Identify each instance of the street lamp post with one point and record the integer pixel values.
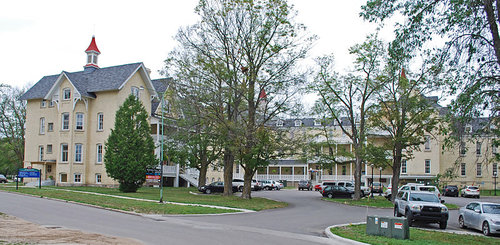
(161, 148)
(380, 180)
(371, 195)
(495, 176)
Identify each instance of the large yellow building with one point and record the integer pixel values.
(69, 116)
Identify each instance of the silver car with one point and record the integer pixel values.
(483, 216)
(3, 179)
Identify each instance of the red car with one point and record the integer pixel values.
(318, 187)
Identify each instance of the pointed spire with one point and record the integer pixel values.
(262, 95)
(93, 46)
(92, 53)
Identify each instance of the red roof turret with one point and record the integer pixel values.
(263, 94)
(93, 46)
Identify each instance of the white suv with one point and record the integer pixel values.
(421, 205)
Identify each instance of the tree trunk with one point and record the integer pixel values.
(247, 187)
(202, 178)
(228, 172)
(357, 179)
(396, 168)
(490, 14)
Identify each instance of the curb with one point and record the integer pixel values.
(341, 239)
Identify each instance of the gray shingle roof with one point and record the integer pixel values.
(161, 86)
(87, 82)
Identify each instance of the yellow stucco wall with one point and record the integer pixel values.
(105, 102)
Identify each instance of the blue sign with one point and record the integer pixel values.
(29, 173)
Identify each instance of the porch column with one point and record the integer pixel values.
(305, 172)
(176, 181)
(336, 177)
(350, 169)
(267, 173)
(280, 171)
(158, 138)
(293, 173)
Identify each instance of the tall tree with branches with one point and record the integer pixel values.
(241, 58)
(12, 120)
(351, 96)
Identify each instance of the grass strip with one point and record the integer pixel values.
(119, 203)
(375, 202)
(417, 237)
(184, 195)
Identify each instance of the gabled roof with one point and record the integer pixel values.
(87, 83)
(160, 85)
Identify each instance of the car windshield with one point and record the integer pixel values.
(491, 208)
(422, 197)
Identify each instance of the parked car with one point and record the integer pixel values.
(378, 187)
(333, 191)
(256, 185)
(406, 187)
(350, 185)
(430, 188)
(217, 186)
(480, 215)
(450, 190)
(470, 191)
(3, 179)
(269, 185)
(239, 183)
(305, 185)
(318, 187)
(279, 184)
(421, 205)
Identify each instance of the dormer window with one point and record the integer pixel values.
(66, 94)
(468, 128)
(317, 122)
(298, 123)
(279, 123)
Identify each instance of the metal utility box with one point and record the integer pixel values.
(393, 227)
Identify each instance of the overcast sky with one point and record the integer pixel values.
(41, 38)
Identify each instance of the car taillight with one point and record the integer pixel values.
(467, 190)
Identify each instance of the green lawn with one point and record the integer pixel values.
(417, 237)
(490, 192)
(180, 195)
(376, 202)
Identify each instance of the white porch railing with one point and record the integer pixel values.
(169, 169)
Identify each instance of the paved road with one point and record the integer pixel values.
(150, 230)
(303, 221)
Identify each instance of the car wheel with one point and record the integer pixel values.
(486, 228)
(240, 188)
(443, 224)
(300, 189)
(461, 222)
(330, 195)
(477, 197)
(462, 195)
(396, 212)
(208, 191)
(409, 217)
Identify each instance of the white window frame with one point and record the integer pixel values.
(427, 144)
(43, 104)
(478, 148)
(99, 153)
(404, 166)
(51, 103)
(317, 122)
(279, 123)
(49, 148)
(40, 153)
(78, 152)
(462, 149)
(65, 121)
(479, 169)
(75, 178)
(66, 91)
(98, 178)
(135, 91)
(42, 125)
(298, 123)
(463, 169)
(100, 121)
(63, 152)
(427, 166)
(80, 121)
(50, 127)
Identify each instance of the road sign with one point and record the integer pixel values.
(153, 176)
(28, 173)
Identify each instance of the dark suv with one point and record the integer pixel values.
(305, 185)
(450, 190)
